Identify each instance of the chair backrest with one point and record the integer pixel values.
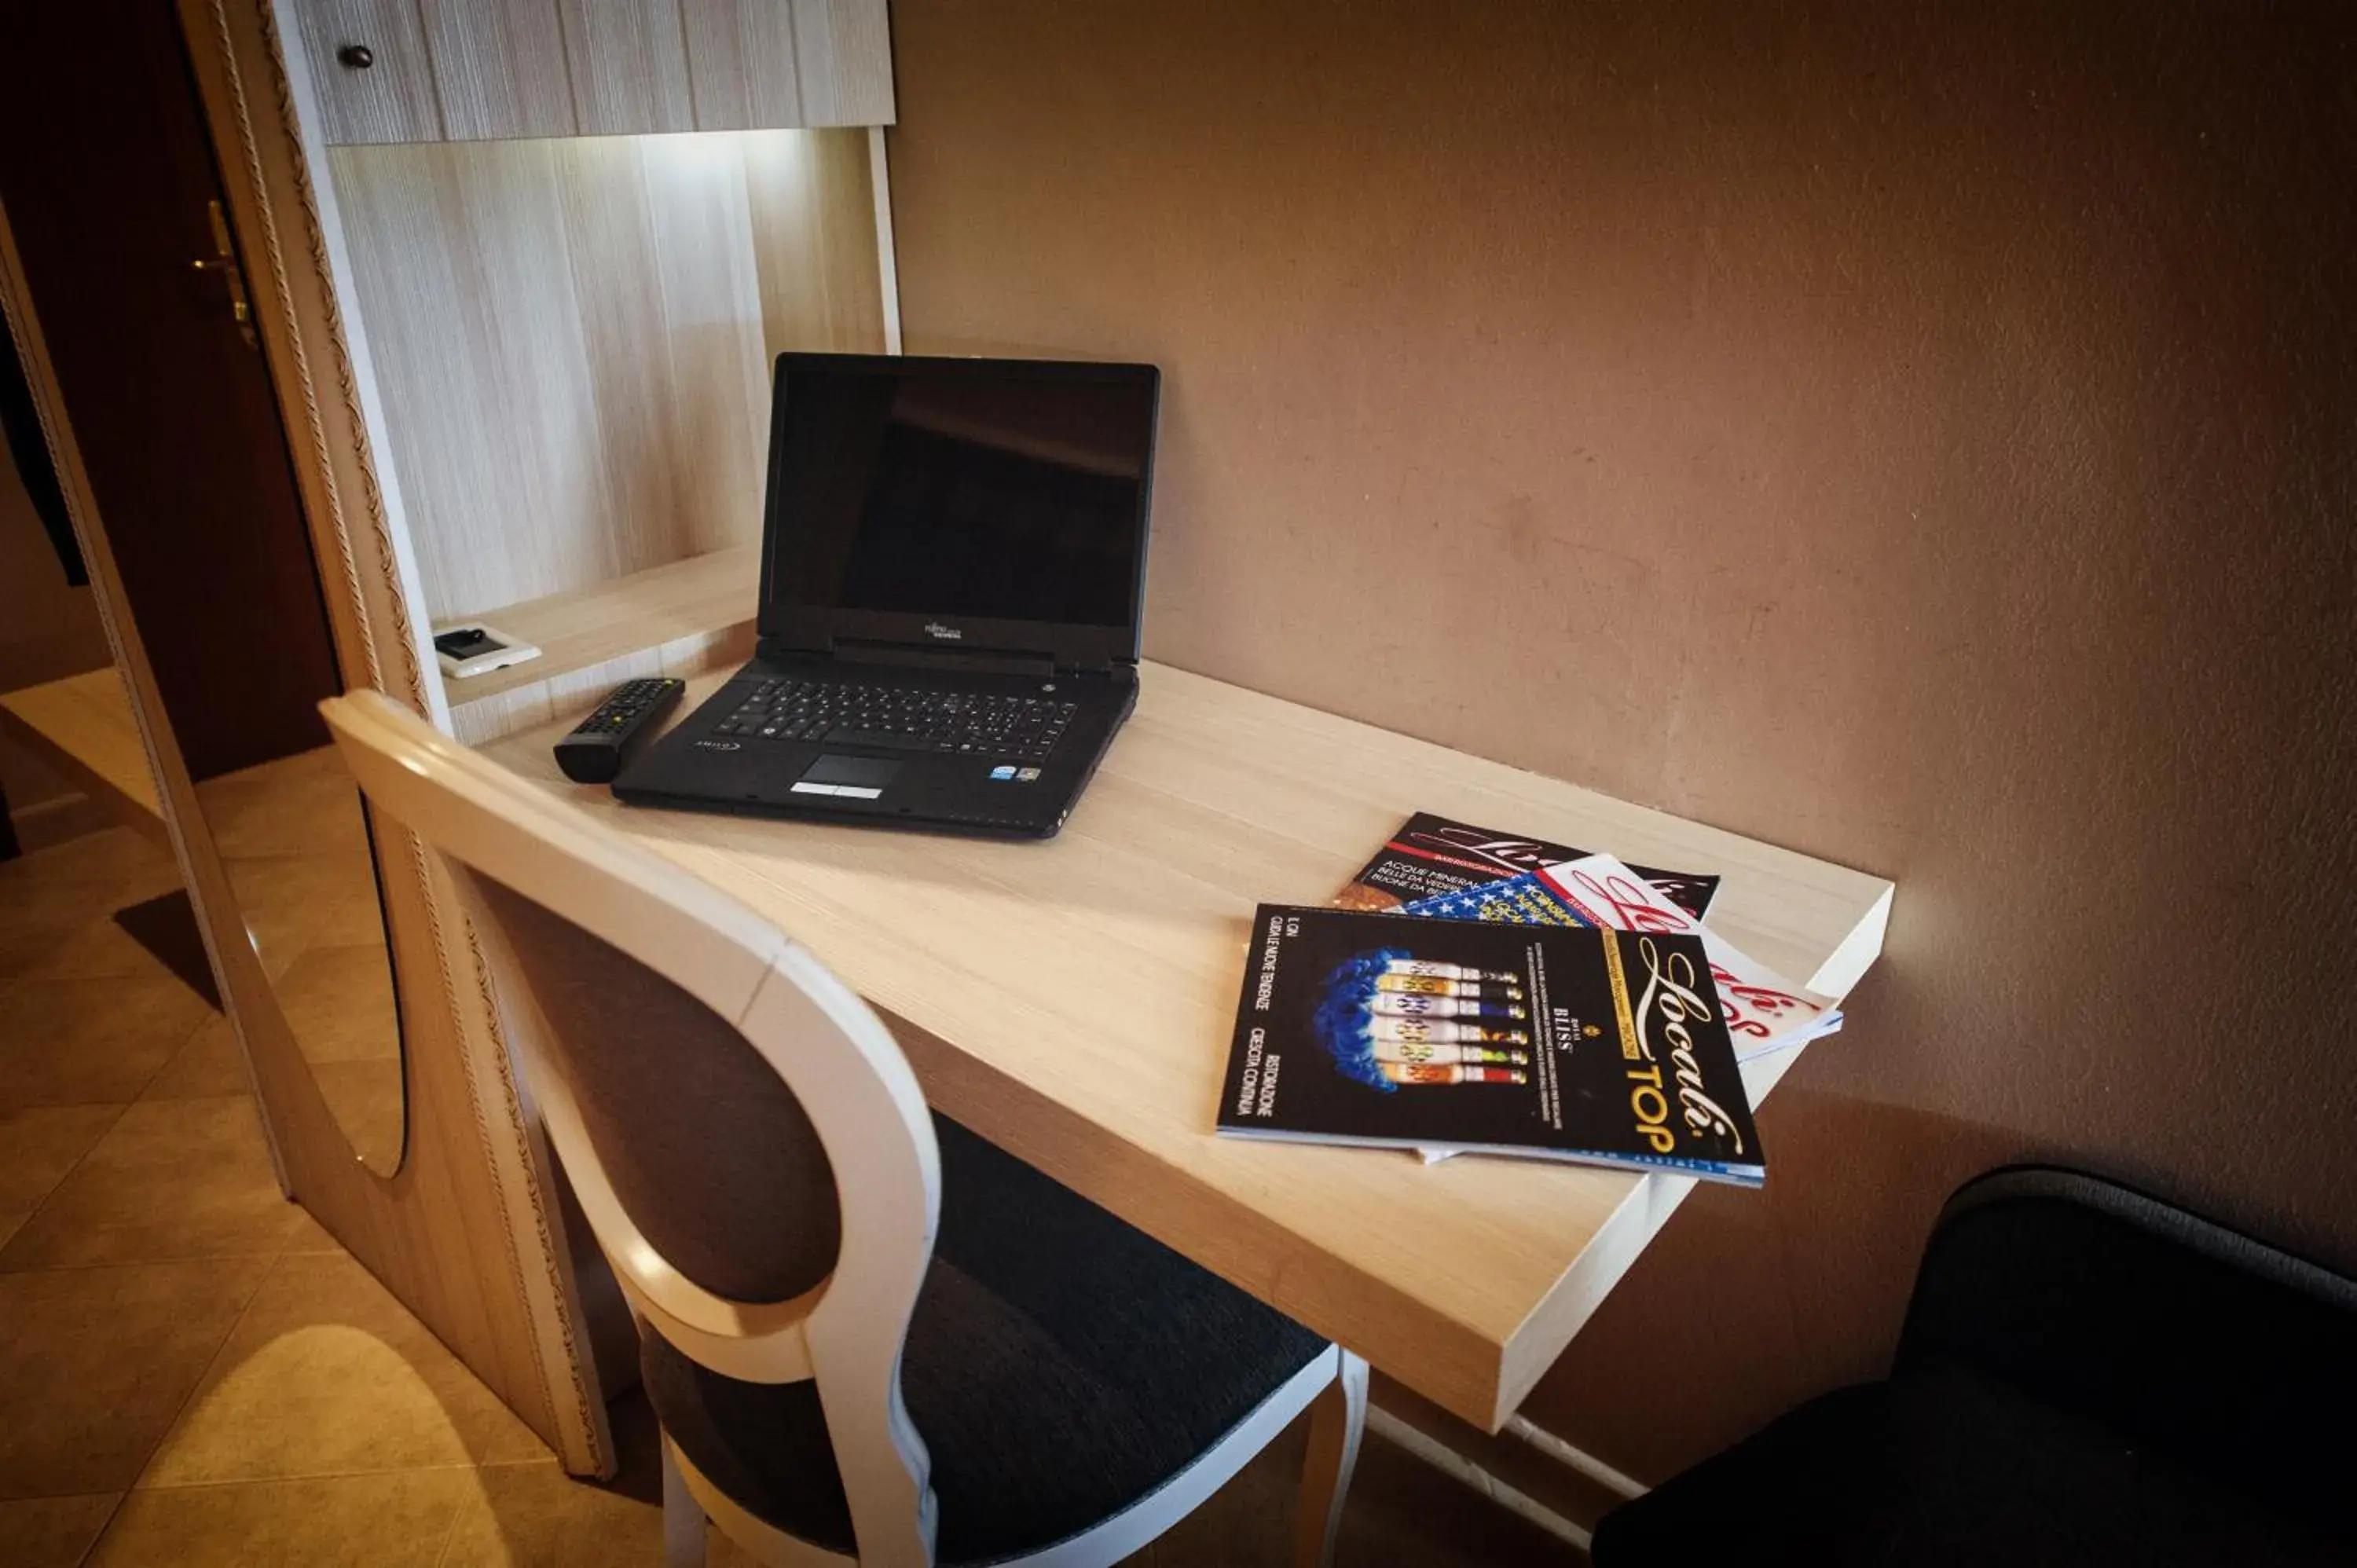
(744, 1135)
(2170, 1329)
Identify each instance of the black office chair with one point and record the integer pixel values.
(2086, 1375)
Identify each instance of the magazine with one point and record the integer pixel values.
(1531, 900)
(1763, 1011)
(1431, 855)
(1596, 1045)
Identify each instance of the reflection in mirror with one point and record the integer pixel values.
(294, 836)
(174, 413)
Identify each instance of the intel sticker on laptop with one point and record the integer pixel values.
(1007, 773)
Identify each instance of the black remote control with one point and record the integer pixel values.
(595, 751)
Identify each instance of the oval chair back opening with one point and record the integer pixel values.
(707, 1151)
(743, 1135)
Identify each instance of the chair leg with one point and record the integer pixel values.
(682, 1518)
(1337, 1421)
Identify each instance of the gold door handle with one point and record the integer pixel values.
(225, 262)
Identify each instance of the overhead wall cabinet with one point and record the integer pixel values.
(572, 308)
(470, 70)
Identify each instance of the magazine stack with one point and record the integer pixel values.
(1470, 992)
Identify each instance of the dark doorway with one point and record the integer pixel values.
(109, 184)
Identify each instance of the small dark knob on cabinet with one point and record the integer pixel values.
(356, 57)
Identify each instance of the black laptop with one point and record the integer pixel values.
(953, 563)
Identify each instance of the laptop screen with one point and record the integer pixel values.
(950, 493)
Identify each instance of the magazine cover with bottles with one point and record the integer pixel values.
(1601, 1046)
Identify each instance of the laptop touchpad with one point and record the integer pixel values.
(860, 778)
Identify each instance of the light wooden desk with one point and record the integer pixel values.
(1071, 1001)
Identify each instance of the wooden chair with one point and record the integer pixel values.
(867, 1334)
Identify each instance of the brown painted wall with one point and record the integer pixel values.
(1923, 435)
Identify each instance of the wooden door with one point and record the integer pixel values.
(107, 176)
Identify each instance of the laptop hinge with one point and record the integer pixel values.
(990, 660)
(930, 656)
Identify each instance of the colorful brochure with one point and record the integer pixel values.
(1601, 1046)
(1764, 1011)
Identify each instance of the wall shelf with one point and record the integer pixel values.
(677, 620)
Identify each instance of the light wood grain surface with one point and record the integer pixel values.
(679, 620)
(1072, 1002)
(391, 100)
(741, 55)
(573, 340)
(83, 727)
(844, 51)
(479, 69)
(630, 71)
(500, 67)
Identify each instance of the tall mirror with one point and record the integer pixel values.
(163, 381)
(293, 837)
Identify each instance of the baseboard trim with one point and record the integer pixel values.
(1442, 1458)
(1625, 1487)
(59, 819)
(1524, 1466)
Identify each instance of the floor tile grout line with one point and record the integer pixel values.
(308, 1477)
(449, 1532)
(202, 1024)
(549, 1459)
(204, 1376)
(80, 1160)
(107, 1524)
(154, 1263)
(20, 1108)
(139, 1095)
(122, 1109)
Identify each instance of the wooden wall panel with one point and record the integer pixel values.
(391, 100)
(484, 69)
(460, 249)
(812, 209)
(624, 323)
(572, 339)
(630, 66)
(844, 48)
(500, 67)
(741, 55)
(715, 424)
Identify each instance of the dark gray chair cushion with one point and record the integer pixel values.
(1061, 1366)
(1947, 1468)
(2087, 1376)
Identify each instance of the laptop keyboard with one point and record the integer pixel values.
(900, 718)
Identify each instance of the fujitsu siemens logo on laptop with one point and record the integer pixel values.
(946, 633)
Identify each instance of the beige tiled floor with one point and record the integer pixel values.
(193, 1372)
